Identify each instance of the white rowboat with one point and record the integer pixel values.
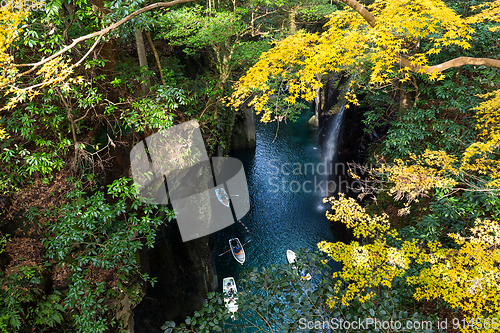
(230, 294)
(290, 255)
(237, 250)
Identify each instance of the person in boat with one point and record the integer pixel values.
(234, 244)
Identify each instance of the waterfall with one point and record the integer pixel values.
(331, 146)
(332, 137)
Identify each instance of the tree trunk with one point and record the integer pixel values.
(157, 57)
(317, 102)
(291, 17)
(404, 97)
(252, 22)
(69, 114)
(224, 55)
(143, 63)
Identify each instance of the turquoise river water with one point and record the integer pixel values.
(286, 181)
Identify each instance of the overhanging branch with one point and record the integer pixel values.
(365, 13)
(453, 63)
(98, 34)
(404, 62)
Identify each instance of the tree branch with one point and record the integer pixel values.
(99, 34)
(365, 13)
(404, 62)
(88, 52)
(453, 63)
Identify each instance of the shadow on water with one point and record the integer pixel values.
(286, 178)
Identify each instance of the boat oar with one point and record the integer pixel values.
(224, 252)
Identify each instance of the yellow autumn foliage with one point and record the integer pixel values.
(3, 134)
(467, 279)
(352, 41)
(489, 115)
(478, 169)
(413, 181)
(347, 211)
(11, 16)
(12, 13)
(55, 72)
(364, 266)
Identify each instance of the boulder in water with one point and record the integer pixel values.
(313, 121)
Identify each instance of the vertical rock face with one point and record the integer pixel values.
(244, 132)
(184, 271)
(335, 134)
(329, 102)
(184, 275)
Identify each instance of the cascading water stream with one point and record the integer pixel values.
(331, 147)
